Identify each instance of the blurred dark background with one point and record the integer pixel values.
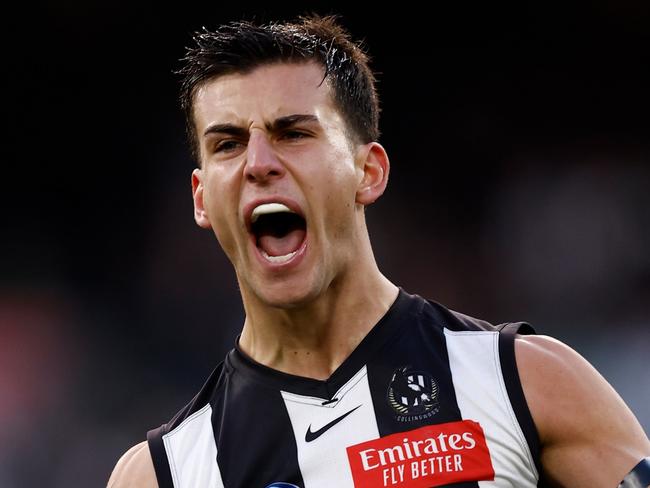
(520, 151)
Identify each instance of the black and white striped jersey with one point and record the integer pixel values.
(430, 397)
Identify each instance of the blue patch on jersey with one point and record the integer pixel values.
(281, 484)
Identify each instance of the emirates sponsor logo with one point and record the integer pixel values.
(433, 455)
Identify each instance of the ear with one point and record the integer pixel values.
(373, 167)
(200, 215)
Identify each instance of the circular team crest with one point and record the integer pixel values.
(412, 394)
(281, 484)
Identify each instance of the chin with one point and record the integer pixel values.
(287, 295)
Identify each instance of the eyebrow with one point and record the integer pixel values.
(278, 124)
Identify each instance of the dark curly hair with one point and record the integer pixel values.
(240, 47)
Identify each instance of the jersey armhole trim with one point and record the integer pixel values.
(159, 457)
(507, 334)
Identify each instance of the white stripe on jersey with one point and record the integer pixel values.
(323, 461)
(192, 452)
(482, 397)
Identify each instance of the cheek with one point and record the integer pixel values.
(341, 174)
(223, 231)
(222, 213)
(343, 184)
(339, 193)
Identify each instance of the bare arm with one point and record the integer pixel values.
(134, 469)
(589, 437)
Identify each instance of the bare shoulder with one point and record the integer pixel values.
(134, 469)
(589, 436)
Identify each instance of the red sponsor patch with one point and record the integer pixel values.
(433, 455)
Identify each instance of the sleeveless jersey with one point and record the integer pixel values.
(430, 397)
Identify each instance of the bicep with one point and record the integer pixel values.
(134, 469)
(588, 434)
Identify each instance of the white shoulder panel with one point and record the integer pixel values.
(192, 452)
(481, 395)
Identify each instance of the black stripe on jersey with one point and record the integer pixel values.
(159, 457)
(404, 349)
(511, 378)
(255, 441)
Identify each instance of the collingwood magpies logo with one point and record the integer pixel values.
(412, 394)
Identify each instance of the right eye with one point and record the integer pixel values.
(227, 146)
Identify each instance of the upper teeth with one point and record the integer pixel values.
(267, 208)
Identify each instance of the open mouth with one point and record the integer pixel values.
(279, 232)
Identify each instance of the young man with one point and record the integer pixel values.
(340, 378)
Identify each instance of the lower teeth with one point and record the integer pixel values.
(279, 259)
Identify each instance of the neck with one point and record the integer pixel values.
(314, 339)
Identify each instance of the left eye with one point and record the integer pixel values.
(294, 135)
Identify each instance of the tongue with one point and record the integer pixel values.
(281, 246)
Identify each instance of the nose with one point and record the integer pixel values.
(262, 164)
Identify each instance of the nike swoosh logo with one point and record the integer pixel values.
(311, 436)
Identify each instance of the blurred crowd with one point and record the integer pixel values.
(519, 191)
